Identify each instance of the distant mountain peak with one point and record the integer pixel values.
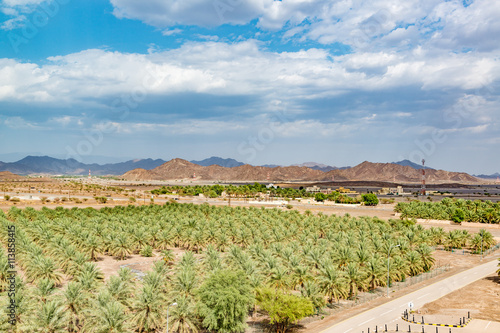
(223, 162)
(411, 164)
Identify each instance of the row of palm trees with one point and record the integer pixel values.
(451, 209)
(323, 258)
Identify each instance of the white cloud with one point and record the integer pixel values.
(171, 32)
(243, 68)
(14, 23)
(19, 123)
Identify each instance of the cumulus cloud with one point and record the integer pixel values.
(242, 68)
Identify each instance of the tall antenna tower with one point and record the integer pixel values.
(90, 175)
(422, 189)
(268, 176)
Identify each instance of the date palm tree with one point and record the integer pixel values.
(50, 318)
(279, 277)
(44, 289)
(185, 281)
(311, 291)
(356, 279)
(119, 290)
(121, 246)
(183, 317)
(92, 247)
(426, 257)
(300, 275)
(148, 309)
(415, 264)
(109, 317)
(332, 283)
(375, 272)
(44, 268)
(89, 276)
(74, 299)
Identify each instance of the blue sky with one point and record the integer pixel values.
(261, 81)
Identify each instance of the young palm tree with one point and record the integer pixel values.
(300, 275)
(119, 290)
(110, 317)
(50, 318)
(45, 288)
(89, 276)
(168, 256)
(148, 309)
(74, 299)
(185, 281)
(92, 247)
(121, 246)
(183, 317)
(279, 278)
(4, 271)
(43, 267)
(24, 309)
(77, 263)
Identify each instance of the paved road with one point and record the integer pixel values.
(390, 313)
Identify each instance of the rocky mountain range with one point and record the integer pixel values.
(216, 168)
(54, 166)
(182, 169)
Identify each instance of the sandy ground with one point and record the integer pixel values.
(481, 298)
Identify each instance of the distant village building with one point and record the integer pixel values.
(313, 189)
(345, 190)
(392, 191)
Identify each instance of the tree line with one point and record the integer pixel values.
(456, 210)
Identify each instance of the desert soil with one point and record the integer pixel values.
(481, 298)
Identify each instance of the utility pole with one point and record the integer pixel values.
(422, 189)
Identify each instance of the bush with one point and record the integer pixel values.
(289, 206)
(224, 301)
(387, 201)
(102, 200)
(6, 197)
(320, 197)
(283, 309)
(369, 199)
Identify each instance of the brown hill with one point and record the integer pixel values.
(366, 171)
(397, 173)
(7, 175)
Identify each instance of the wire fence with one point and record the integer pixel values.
(491, 249)
(361, 298)
(464, 251)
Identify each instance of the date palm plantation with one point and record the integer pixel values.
(314, 259)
